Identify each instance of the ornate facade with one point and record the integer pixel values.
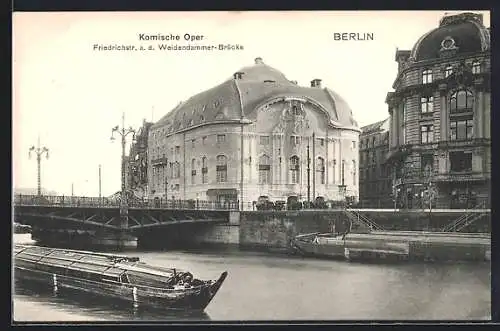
(137, 174)
(249, 137)
(375, 181)
(440, 139)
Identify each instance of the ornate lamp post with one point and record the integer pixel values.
(123, 194)
(39, 151)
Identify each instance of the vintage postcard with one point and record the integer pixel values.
(251, 166)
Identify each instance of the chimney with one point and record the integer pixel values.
(258, 60)
(316, 82)
(238, 75)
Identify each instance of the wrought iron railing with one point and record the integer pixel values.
(72, 201)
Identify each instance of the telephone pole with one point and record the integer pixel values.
(39, 151)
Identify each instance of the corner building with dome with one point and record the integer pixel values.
(248, 138)
(439, 131)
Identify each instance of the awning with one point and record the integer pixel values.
(221, 191)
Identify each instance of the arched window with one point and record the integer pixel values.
(193, 171)
(221, 169)
(354, 181)
(461, 100)
(294, 169)
(204, 170)
(476, 67)
(264, 170)
(320, 169)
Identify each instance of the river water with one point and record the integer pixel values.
(262, 286)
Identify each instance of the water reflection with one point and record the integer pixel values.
(96, 306)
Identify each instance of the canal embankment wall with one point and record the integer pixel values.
(273, 230)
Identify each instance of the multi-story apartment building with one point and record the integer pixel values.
(439, 137)
(375, 181)
(249, 137)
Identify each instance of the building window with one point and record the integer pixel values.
(462, 100)
(403, 125)
(193, 143)
(177, 170)
(427, 104)
(193, 171)
(294, 140)
(294, 169)
(204, 170)
(177, 150)
(353, 145)
(461, 130)
(204, 140)
(427, 164)
(321, 141)
(426, 132)
(427, 76)
(476, 67)
(221, 169)
(221, 138)
(296, 110)
(264, 170)
(264, 140)
(448, 71)
(354, 181)
(320, 169)
(177, 187)
(461, 161)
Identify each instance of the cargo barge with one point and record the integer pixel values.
(395, 245)
(114, 276)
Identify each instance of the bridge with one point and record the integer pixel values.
(90, 214)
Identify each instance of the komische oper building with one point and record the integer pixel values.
(439, 131)
(249, 137)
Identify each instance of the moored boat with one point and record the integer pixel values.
(115, 276)
(394, 245)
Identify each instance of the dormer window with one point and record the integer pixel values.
(427, 76)
(476, 67)
(202, 118)
(448, 71)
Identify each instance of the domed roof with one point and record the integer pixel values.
(463, 33)
(238, 97)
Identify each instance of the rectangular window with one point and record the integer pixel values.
(221, 173)
(193, 177)
(264, 140)
(427, 104)
(476, 67)
(353, 145)
(264, 174)
(426, 132)
(294, 140)
(448, 71)
(426, 164)
(193, 143)
(427, 76)
(204, 140)
(221, 138)
(177, 150)
(461, 130)
(321, 141)
(177, 187)
(461, 161)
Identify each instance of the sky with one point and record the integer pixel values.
(71, 95)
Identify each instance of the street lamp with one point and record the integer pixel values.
(123, 195)
(39, 151)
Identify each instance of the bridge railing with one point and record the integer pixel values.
(73, 201)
